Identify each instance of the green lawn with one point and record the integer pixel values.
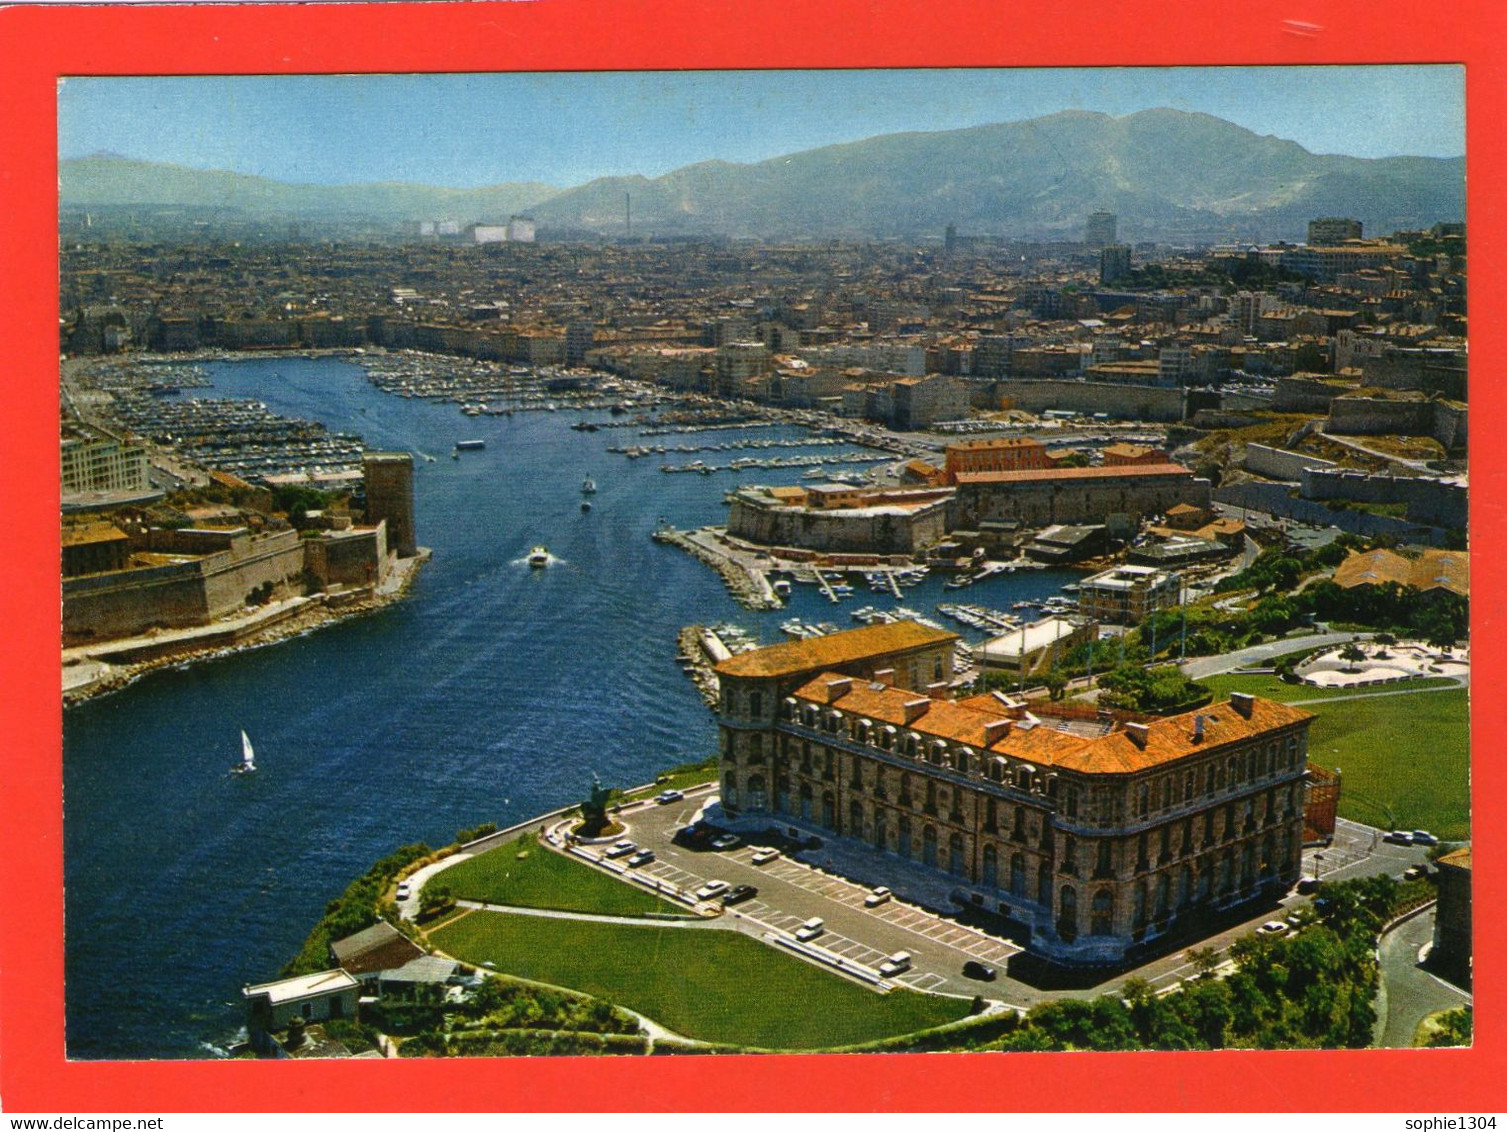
(1406, 759)
(681, 778)
(545, 879)
(718, 986)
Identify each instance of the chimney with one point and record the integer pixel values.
(1243, 702)
(915, 709)
(838, 688)
(995, 730)
(1198, 728)
(941, 690)
(885, 676)
(1138, 733)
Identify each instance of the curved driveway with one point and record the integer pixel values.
(1409, 994)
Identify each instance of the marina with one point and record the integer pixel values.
(450, 708)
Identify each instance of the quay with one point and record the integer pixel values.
(745, 579)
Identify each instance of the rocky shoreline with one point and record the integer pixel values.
(330, 610)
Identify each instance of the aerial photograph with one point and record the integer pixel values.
(716, 562)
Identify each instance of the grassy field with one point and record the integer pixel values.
(545, 879)
(718, 986)
(1406, 759)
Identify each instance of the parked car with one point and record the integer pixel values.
(1309, 884)
(1424, 837)
(810, 929)
(727, 841)
(739, 893)
(665, 797)
(1272, 927)
(984, 973)
(404, 891)
(620, 849)
(763, 854)
(642, 857)
(712, 889)
(895, 964)
(1417, 872)
(876, 897)
(1399, 837)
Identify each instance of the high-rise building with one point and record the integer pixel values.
(1114, 263)
(389, 495)
(1330, 230)
(1100, 229)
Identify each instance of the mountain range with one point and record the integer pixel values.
(1167, 174)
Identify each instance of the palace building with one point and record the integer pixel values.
(1091, 833)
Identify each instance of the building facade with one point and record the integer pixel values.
(998, 454)
(1092, 836)
(1075, 495)
(1127, 595)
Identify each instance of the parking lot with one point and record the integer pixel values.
(791, 892)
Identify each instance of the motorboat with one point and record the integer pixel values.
(538, 557)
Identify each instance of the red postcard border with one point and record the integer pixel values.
(46, 43)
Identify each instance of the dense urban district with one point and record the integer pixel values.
(1214, 794)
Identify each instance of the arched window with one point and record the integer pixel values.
(829, 810)
(957, 865)
(806, 801)
(730, 789)
(929, 846)
(755, 704)
(756, 799)
(1044, 884)
(1103, 915)
(1163, 895)
(880, 833)
(1018, 874)
(991, 866)
(1138, 907)
(902, 837)
(1067, 917)
(855, 818)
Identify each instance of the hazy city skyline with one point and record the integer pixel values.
(567, 129)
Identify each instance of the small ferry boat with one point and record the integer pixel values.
(469, 445)
(585, 505)
(538, 557)
(588, 487)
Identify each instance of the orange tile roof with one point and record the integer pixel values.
(1460, 858)
(1434, 569)
(1048, 475)
(816, 653)
(964, 721)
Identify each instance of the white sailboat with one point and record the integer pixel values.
(248, 758)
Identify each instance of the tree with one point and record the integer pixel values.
(1353, 655)
(1203, 960)
(1056, 682)
(435, 899)
(1454, 1028)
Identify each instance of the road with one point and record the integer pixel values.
(1409, 994)
(1198, 667)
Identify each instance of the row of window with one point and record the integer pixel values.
(894, 833)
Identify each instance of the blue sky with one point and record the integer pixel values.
(565, 129)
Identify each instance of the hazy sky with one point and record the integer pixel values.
(564, 129)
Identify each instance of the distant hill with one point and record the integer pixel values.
(102, 180)
(1168, 174)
